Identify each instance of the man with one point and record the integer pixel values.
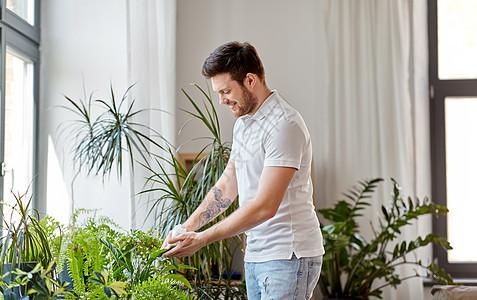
(269, 169)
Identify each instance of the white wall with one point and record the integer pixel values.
(287, 36)
(83, 43)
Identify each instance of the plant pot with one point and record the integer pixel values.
(26, 267)
(65, 275)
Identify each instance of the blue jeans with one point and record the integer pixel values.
(286, 279)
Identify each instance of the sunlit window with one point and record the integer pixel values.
(19, 53)
(19, 130)
(453, 103)
(25, 9)
(461, 161)
(457, 38)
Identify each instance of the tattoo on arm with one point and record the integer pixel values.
(215, 207)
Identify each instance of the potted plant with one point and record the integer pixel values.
(100, 143)
(182, 189)
(44, 283)
(105, 262)
(82, 253)
(136, 260)
(103, 140)
(352, 265)
(25, 243)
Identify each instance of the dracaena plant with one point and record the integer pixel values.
(102, 140)
(352, 265)
(182, 189)
(25, 239)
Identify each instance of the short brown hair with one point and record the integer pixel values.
(237, 59)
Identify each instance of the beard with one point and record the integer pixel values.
(247, 104)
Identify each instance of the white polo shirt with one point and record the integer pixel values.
(276, 135)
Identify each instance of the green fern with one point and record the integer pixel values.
(84, 251)
(75, 268)
(133, 258)
(160, 288)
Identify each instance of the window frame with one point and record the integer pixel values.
(17, 23)
(439, 89)
(24, 39)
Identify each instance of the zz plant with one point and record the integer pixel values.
(352, 265)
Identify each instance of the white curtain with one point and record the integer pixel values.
(151, 66)
(375, 108)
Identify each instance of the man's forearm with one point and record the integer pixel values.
(214, 204)
(238, 222)
(269, 197)
(270, 194)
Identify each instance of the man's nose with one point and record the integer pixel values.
(223, 100)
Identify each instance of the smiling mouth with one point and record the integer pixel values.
(232, 106)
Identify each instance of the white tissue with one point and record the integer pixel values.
(177, 230)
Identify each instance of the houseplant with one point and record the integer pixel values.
(44, 283)
(25, 243)
(181, 192)
(104, 261)
(103, 139)
(98, 148)
(352, 265)
(82, 252)
(137, 262)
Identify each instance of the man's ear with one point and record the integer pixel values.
(250, 80)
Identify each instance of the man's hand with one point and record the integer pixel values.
(166, 244)
(188, 244)
(177, 230)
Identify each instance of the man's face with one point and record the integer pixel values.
(237, 97)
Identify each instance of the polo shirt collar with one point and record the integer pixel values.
(263, 110)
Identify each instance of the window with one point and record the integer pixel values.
(25, 9)
(453, 91)
(19, 36)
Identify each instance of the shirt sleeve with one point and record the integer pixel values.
(233, 152)
(284, 145)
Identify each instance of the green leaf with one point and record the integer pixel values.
(185, 267)
(118, 288)
(348, 257)
(107, 291)
(95, 280)
(385, 213)
(179, 279)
